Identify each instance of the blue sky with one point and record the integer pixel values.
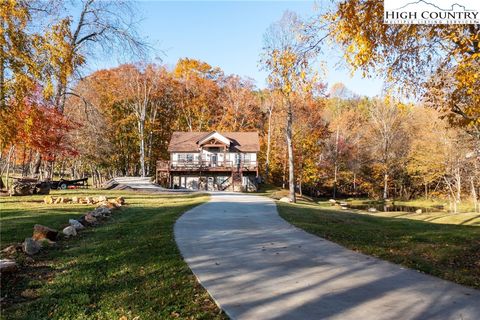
(228, 34)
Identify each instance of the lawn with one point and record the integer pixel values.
(465, 216)
(127, 268)
(451, 252)
(461, 218)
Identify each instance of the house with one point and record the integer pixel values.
(211, 161)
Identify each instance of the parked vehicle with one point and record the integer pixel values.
(69, 184)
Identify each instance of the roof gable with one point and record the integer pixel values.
(239, 141)
(216, 136)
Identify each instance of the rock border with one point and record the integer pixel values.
(44, 237)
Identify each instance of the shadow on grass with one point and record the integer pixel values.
(448, 251)
(129, 266)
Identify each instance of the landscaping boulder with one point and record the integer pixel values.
(69, 231)
(77, 225)
(332, 201)
(114, 203)
(7, 265)
(372, 210)
(285, 199)
(104, 210)
(89, 200)
(418, 211)
(41, 232)
(106, 204)
(75, 200)
(101, 198)
(90, 218)
(62, 200)
(84, 222)
(120, 200)
(31, 246)
(101, 213)
(98, 215)
(48, 200)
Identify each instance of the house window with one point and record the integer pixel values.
(189, 157)
(246, 158)
(182, 157)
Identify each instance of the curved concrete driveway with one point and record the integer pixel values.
(257, 266)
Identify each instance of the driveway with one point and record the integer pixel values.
(257, 266)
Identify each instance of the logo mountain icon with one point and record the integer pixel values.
(422, 3)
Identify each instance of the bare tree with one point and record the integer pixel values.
(101, 27)
(142, 84)
(386, 130)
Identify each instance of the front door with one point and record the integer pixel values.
(210, 184)
(214, 160)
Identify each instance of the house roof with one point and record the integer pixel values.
(215, 136)
(239, 141)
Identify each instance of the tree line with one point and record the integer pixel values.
(320, 142)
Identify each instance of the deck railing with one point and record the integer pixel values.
(205, 165)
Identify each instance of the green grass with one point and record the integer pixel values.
(19, 214)
(443, 217)
(465, 216)
(451, 252)
(127, 268)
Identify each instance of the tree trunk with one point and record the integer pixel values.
(37, 164)
(149, 151)
(354, 183)
(269, 135)
(474, 194)
(300, 179)
(141, 127)
(451, 196)
(385, 186)
(291, 171)
(7, 176)
(459, 185)
(335, 169)
(6, 168)
(3, 102)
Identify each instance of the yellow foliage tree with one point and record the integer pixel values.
(439, 62)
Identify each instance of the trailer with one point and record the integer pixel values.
(69, 184)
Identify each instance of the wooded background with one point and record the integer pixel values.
(421, 138)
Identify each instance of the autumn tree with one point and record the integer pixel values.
(139, 89)
(100, 27)
(426, 158)
(309, 130)
(239, 104)
(346, 117)
(288, 64)
(199, 94)
(437, 62)
(269, 99)
(386, 135)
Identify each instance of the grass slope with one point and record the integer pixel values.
(128, 268)
(450, 252)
